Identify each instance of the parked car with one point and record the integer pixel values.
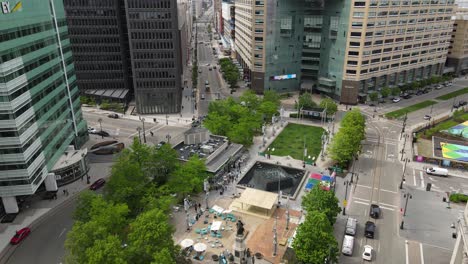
(113, 115)
(427, 117)
(396, 99)
(97, 184)
(160, 144)
(92, 130)
(419, 92)
(369, 230)
(367, 254)
(406, 95)
(374, 211)
(20, 235)
(351, 225)
(460, 104)
(438, 87)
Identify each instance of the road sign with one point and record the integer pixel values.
(337, 169)
(345, 202)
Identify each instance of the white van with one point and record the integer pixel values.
(351, 225)
(437, 171)
(348, 244)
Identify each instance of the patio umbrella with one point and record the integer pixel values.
(186, 243)
(199, 247)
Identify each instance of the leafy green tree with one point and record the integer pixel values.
(305, 100)
(83, 206)
(106, 218)
(323, 201)
(127, 183)
(373, 96)
(218, 124)
(385, 92)
(268, 109)
(347, 141)
(163, 162)
(314, 242)
(415, 85)
(250, 99)
(330, 105)
(189, 177)
(272, 96)
(84, 99)
(166, 257)
(241, 133)
(107, 250)
(396, 91)
(149, 236)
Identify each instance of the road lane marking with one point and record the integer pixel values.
(422, 255)
(422, 179)
(406, 251)
(365, 200)
(391, 205)
(414, 177)
(359, 202)
(63, 231)
(432, 179)
(383, 190)
(386, 208)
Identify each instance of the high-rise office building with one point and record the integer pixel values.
(132, 47)
(269, 43)
(40, 113)
(383, 43)
(457, 58)
(228, 28)
(155, 51)
(98, 37)
(348, 48)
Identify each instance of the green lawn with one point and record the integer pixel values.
(411, 108)
(453, 94)
(458, 118)
(291, 141)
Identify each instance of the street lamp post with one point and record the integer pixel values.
(403, 175)
(407, 196)
(404, 145)
(144, 132)
(168, 137)
(167, 119)
(346, 183)
(139, 134)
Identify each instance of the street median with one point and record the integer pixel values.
(401, 112)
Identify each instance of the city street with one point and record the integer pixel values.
(207, 60)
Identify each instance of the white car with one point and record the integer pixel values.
(438, 87)
(396, 99)
(427, 117)
(92, 130)
(367, 254)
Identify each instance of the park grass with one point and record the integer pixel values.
(453, 94)
(411, 108)
(290, 142)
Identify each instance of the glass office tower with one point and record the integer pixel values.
(40, 112)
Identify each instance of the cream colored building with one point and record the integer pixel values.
(394, 42)
(457, 57)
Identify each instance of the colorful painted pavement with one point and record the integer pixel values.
(459, 130)
(315, 178)
(454, 151)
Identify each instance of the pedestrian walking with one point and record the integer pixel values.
(253, 260)
(64, 192)
(196, 208)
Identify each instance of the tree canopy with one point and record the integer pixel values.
(240, 120)
(322, 201)
(314, 242)
(330, 106)
(373, 96)
(129, 223)
(347, 141)
(305, 101)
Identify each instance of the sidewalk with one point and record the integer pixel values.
(39, 210)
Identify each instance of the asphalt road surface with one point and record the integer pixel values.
(45, 245)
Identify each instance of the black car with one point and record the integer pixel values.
(102, 133)
(113, 115)
(419, 92)
(374, 211)
(370, 229)
(406, 96)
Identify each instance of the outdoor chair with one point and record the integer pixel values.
(197, 231)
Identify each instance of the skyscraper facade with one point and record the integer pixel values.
(347, 49)
(98, 36)
(155, 51)
(40, 113)
(132, 49)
